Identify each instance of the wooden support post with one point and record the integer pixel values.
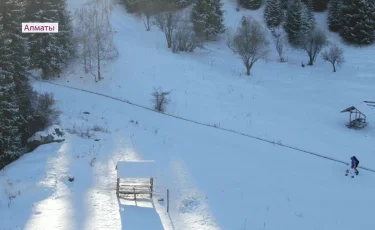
(135, 196)
(152, 186)
(118, 187)
(167, 200)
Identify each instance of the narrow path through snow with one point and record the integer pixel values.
(209, 125)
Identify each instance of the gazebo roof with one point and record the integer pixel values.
(366, 108)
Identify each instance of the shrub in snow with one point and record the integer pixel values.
(334, 54)
(44, 112)
(167, 22)
(279, 43)
(184, 38)
(98, 128)
(249, 42)
(160, 99)
(83, 132)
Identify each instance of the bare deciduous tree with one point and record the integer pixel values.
(147, 8)
(103, 47)
(184, 38)
(167, 22)
(334, 55)
(279, 43)
(97, 41)
(160, 99)
(82, 31)
(249, 42)
(313, 44)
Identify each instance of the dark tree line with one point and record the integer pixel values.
(353, 19)
(23, 111)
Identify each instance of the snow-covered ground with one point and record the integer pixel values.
(280, 101)
(217, 180)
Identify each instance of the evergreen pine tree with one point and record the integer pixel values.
(65, 41)
(294, 21)
(371, 14)
(284, 4)
(273, 13)
(356, 26)
(334, 15)
(251, 4)
(320, 5)
(207, 18)
(11, 17)
(49, 51)
(10, 137)
(182, 3)
(308, 18)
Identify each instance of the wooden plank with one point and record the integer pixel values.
(167, 200)
(137, 190)
(131, 186)
(131, 193)
(117, 186)
(135, 185)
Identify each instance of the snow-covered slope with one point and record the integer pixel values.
(217, 180)
(282, 102)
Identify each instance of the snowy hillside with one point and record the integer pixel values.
(217, 179)
(282, 102)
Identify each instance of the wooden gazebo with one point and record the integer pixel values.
(357, 117)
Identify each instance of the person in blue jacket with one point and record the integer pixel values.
(355, 163)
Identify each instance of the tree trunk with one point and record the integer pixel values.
(334, 67)
(99, 76)
(248, 67)
(311, 60)
(85, 58)
(168, 40)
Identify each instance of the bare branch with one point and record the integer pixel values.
(184, 38)
(95, 36)
(160, 99)
(167, 22)
(249, 42)
(334, 55)
(313, 44)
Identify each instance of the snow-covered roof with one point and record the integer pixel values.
(136, 169)
(367, 109)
